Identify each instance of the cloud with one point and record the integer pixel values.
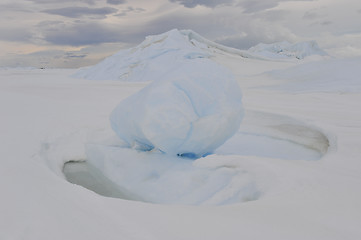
(325, 23)
(55, 58)
(13, 7)
(206, 3)
(76, 12)
(226, 26)
(249, 6)
(310, 15)
(90, 2)
(48, 58)
(75, 55)
(116, 2)
(15, 34)
(243, 42)
(125, 12)
(253, 6)
(82, 33)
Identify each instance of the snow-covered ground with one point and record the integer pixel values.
(292, 171)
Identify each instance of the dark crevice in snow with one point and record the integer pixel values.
(84, 174)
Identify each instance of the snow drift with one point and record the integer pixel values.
(189, 112)
(288, 50)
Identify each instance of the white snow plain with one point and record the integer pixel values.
(292, 171)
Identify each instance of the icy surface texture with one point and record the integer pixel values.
(190, 111)
(173, 48)
(287, 50)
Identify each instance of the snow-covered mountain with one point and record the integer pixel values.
(285, 49)
(158, 55)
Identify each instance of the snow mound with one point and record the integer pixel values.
(288, 50)
(189, 111)
(169, 49)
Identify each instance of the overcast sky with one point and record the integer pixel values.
(73, 33)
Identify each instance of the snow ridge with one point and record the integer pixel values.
(282, 50)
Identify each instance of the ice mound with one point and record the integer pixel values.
(168, 49)
(288, 50)
(189, 112)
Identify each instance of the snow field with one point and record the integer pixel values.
(48, 119)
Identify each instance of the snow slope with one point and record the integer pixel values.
(288, 190)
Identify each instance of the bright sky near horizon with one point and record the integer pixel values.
(74, 33)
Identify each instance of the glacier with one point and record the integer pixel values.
(190, 111)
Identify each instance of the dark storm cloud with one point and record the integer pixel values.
(125, 12)
(116, 2)
(80, 34)
(207, 3)
(76, 12)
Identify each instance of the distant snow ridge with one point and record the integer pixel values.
(288, 50)
(189, 112)
(156, 55)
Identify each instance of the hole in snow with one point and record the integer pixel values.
(154, 178)
(276, 136)
(233, 174)
(84, 174)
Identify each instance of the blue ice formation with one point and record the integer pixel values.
(189, 111)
